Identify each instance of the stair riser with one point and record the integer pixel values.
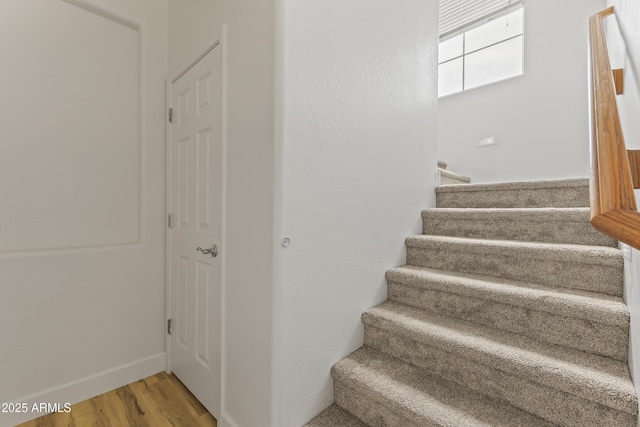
(371, 408)
(335, 416)
(561, 197)
(520, 229)
(605, 279)
(558, 407)
(605, 340)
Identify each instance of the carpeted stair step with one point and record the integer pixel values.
(452, 178)
(563, 386)
(508, 313)
(335, 416)
(588, 268)
(551, 225)
(563, 193)
(594, 323)
(384, 391)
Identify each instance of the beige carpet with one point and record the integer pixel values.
(508, 313)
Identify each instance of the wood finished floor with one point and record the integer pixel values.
(157, 401)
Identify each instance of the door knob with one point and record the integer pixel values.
(213, 251)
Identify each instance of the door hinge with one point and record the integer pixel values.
(170, 115)
(169, 326)
(170, 220)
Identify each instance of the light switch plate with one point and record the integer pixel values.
(485, 142)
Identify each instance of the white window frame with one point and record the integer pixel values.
(461, 27)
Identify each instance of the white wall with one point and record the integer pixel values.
(82, 143)
(541, 117)
(249, 140)
(358, 165)
(353, 111)
(632, 298)
(623, 40)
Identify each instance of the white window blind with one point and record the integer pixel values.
(458, 15)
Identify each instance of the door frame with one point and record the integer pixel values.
(217, 44)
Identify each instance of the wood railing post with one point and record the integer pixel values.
(618, 80)
(634, 165)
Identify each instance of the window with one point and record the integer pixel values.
(480, 43)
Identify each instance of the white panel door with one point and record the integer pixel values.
(196, 205)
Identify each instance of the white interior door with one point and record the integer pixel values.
(196, 207)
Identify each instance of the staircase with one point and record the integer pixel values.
(509, 312)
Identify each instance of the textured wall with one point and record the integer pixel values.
(540, 117)
(358, 164)
(623, 38)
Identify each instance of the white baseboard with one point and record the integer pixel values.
(226, 420)
(86, 388)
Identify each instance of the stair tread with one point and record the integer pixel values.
(585, 267)
(583, 254)
(335, 416)
(550, 193)
(426, 399)
(519, 185)
(552, 225)
(602, 308)
(592, 377)
(540, 214)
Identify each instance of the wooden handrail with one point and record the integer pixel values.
(613, 204)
